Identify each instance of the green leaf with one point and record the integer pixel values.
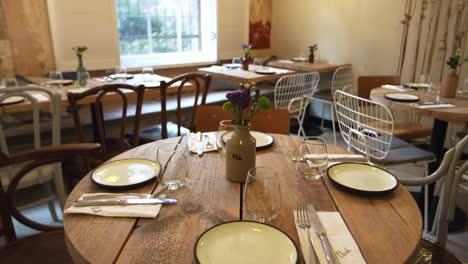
(264, 103)
(227, 106)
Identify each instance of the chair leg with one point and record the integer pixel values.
(333, 123)
(426, 208)
(300, 119)
(48, 189)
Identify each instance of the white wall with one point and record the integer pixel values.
(233, 27)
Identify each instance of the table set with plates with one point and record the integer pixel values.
(212, 220)
(256, 73)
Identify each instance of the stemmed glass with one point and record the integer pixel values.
(57, 79)
(313, 160)
(262, 194)
(224, 127)
(174, 168)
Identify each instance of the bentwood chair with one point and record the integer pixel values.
(46, 247)
(187, 91)
(130, 98)
(342, 77)
(294, 93)
(272, 121)
(406, 130)
(45, 131)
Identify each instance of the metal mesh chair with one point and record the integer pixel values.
(294, 93)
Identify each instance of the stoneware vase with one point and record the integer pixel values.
(451, 84)
(311, 57)
(245, 63)
(240, 154)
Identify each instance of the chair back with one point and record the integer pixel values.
(29, 161)
(294, 92)
(367, 83)
(272, 121)
(200, 85)
(365, 125)
(98, 93)
(343, 76)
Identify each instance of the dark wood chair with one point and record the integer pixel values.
(406, 130)
(178, 94)
(110, 146)
(274, 120)
(46, 247)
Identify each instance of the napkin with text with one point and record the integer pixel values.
(346, 249)
(192, 141)
(135, 210)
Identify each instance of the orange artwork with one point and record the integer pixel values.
(260, 24)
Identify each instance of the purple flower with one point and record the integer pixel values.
(244, 46)
(257, 91)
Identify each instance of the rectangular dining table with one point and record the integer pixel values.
(241, 76)
(387, 228)
(305, 66)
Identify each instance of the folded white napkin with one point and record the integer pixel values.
(434, 106)
(222, 68)
(136, 210)
(395, 87)
(192, 141)
(339, 236)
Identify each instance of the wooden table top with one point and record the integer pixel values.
(241, 76)
(43, 101)
(304, 66)
(387, 228)
(458, 113)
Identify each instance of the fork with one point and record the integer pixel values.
(303, 221)
(106, 196)
(208, 145)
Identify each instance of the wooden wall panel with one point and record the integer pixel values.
(28, 28)
(6, 64)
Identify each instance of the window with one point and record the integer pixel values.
(164, 32)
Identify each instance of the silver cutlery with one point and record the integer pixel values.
(208, 145)
(303, 222)
(116, 195)
(199, 144)
(81, 203)
(320, 230)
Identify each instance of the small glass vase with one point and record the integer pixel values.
(240, 154)
(81, 74)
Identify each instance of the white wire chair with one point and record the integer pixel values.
(294, 93)
(342, 77)
(46, 175)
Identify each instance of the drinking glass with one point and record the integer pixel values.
(55, 75)
(262, 194)
(9, 81)
(434, 91)
(224, 127)
(174, 167)
(120, 72)
(314, 159)
(236, 60)
(147, 74)
(464, 87)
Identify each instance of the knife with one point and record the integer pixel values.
(199, 144)
(320, 230)
(81, 203)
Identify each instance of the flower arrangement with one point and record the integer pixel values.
(246, 49)
(245, 103)
(313, 48)
(79, 50)
(454, 61)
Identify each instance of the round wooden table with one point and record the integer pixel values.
(387, 228)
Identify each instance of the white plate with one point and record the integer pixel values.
(12, 100)
(262, 139)
(78, 90)
(232, 65)
(403, 97)
(125, 173)
(245, 242)
(362, 177)
(417, 85)
(121, 76)
(265, 71)
(58, 82)
(299, 59)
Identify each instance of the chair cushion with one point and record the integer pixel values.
(405, 155)
(36, 176)
(407, 130)
(324, 95)
(46, 247)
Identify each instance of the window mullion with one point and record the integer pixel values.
(178, 16)
(149, 32)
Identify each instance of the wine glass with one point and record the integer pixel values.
(57, 79)
(262, 194)
(174, 167)
(236, 60)
(313, 160)
(147, 73)
(225, 126)
(120, 72)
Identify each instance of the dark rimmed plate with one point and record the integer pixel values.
(265, 71)
(262, 140)
(125, 173)
(402, 97)
(362, 178)
(12, 100)
(245, 242)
